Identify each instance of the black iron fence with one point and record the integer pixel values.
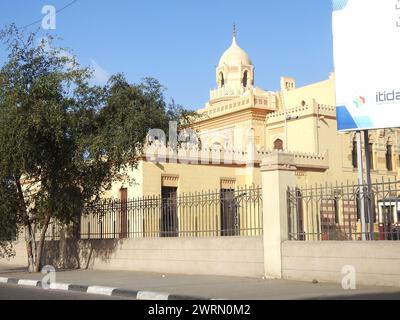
(345, 212)
(54, 231)
(205, 214)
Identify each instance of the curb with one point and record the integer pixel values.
(100, 290)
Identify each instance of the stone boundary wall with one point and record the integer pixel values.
(224, 256)
(376, 263)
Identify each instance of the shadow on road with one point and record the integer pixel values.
(366, 296)
(4, 270)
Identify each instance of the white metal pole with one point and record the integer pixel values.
(361, 185)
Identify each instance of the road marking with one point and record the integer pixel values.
(107, 291)
(59, 286)
(125, 293)
(77, 287)
(147, 295)
(30, 283)
(3, 280)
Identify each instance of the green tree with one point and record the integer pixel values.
(8, 223)
(62, 141)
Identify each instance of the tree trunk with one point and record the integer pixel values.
(29, 232)
(40, 247)
(30, 248)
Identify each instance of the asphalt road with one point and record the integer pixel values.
(14, 292)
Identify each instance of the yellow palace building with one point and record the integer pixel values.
(214, 188)
(241, 123)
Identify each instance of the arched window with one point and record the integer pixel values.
(278, 144)
(221, 80)
(245, 78)
(389, 157)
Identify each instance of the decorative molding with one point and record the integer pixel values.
(304, 160)
(278, 160)
(170, 180)
(228, 183)
(303, 111)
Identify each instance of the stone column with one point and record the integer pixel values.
(278, 173)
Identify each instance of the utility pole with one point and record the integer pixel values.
(369, 183)
(361, 185)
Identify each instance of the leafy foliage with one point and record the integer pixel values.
(62, 140)
(8, 223)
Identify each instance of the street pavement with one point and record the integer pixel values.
(214, 287)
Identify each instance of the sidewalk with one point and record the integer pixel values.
(213, 287)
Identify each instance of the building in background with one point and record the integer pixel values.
(242, 122)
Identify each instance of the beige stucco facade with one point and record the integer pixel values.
(241, 123)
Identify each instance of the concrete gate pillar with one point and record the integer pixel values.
(278, 173)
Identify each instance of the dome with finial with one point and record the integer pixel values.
(234, 74)
(235, 55)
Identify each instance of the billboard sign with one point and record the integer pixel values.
(366, 40)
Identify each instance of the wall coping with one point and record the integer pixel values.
(278, 160)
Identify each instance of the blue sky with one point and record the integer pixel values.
(180, 42)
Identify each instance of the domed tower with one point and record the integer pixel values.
(234, 73)
(236, 109)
